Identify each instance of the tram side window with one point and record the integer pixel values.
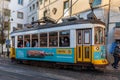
(20, 41)
(13, 41)
(53, 39)
(34, 40)
(64, 39)
(87, 37)
(43, 40)
(99, 35)
(27, 40)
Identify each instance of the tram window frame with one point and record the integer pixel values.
(79, 37)
(62, 37)
(87, 37)
(53, 39)
(13, 41)
(27, 39)
(20, 41)
(99, 39)
(44, 42)
(34, 40)
(104, 39)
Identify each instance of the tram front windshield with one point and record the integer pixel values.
(99, 36)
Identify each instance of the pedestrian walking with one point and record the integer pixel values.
(116, 56)
(113, 45)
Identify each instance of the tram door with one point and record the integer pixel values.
(84, 48)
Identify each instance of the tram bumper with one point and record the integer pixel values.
(100, 63)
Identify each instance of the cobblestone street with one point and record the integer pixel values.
(12, 71)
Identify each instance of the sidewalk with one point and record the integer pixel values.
(109, 67)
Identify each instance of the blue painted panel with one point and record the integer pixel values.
(101, 54)
(97, 55)
(46, 54)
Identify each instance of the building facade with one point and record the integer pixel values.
(33, 8)
(4, 23)
(18, 17)
(58, 9)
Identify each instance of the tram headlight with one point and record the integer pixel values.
(96, 48)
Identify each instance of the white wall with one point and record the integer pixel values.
(15, 7)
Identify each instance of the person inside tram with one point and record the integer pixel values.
(20, 44)
(27, 43)
(64, 41)
(34, 43)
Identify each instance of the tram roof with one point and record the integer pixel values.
(60, 24)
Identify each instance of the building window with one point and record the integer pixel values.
(19, 26)
(66, 4)
(45, 13)
(119, 8)
(96, 3)
(20, 15)
(66, 7)
(6, 25)
(117, 24)
(41, 1)
(20, 2)
(6, 12)
(33, 6)
(32, 19)
(30, 8)
(37, 4)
